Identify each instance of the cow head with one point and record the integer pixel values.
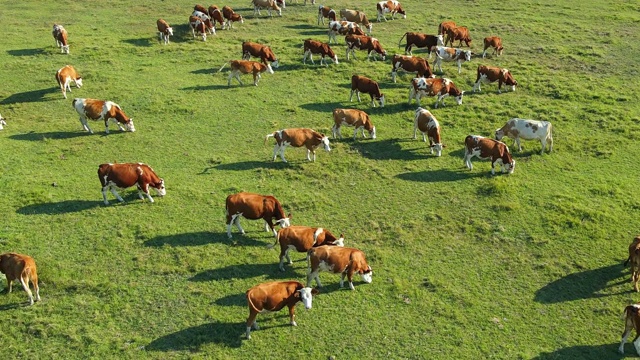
(284, 222)
(2, 122)
(381, 100)
(65, 49)
(499, 134)
(79, 82)
(306, 296)
(467, 55)
(372, 132)
(325, 142)
(511, 166)
(440, 41)
(367, 275)
(129, 125)
(438, 148)
(340, 241)
(170, 31)
(459, 98)
(160, 189)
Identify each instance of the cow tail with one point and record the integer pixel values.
(626, 262)
(309, 253)
(253, 307)
(400, 42)
(268, 136)
(270, 246)
(223, 65)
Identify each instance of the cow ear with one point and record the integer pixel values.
(297, 293)
(444, 146)
(315, 291)
(289, 216)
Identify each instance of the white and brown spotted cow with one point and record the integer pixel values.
(439, 87)
(390, 6)
(429, 127)
(486, 148)
(65, 76)
(265, 4)
(343, 28)
(264, 52)
(253, 207)
(102, 110)
(204, 17)
(357, 17)
(164, 30)
(352, 117)
(302, 239)
(489, 74)
(528, 130)
(22, 268)
(3, 123)
(410, 64)
(450, 54)
(361, 84)
(298, 137)
(316, 47)
(230, 17)
(326, 12)
(363, 42)
(246, 67)
(493, 42)
(631, 322)
(126, 175)
(420, 40)
(198, 25)
(60, 35)
(338, 260)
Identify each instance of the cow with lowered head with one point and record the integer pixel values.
(126, 175)
(253, 207)
(302, 239)
(298, 137)
(22, 268)
(101, 110)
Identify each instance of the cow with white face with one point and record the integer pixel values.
(429, 127)
(486, 148)
(298, 137)
(450, 54)
(529, 130)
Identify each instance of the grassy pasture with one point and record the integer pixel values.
(466, 265)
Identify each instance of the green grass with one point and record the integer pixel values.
(466, 265)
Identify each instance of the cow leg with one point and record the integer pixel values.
(145, 190)
(314, 275)
(104, 194)
(292, 315)
(24, 280)
(625, 336)
(543, 144)
(256, 77)
(251, 322)
(282, 147)
(517, 142)
(636, 343)
(334, 129)
(493, 169)
(342, 275)
(9, 285)
(115, 193)
(237, 222)
(275, 151)
(407, 49)
(311, 58)
(351, 95)
(85, 124)
(286, 253)
(230, 77)
(308, 153)
(355, 132)
(459, 66)
(350, 278)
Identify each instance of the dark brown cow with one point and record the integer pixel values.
(361, 84)
(410, 64)
(489, 74)
(302, 239)
(444, 27)
(494, 42)
(264, 52)
(253, 207)
(338, 260)
(198, 25)
(316, 47)
(126, 175)
(420, 40)
(631, 322)
(363, 42)
(352, 117)
(101, 110)
(298, 138)
(440, 87)
(216, 15)
(273, 296)
(326, 12)
(486, 148)
(429, 127)
(23, 268)
(460, 33)
(231, 17)
(246, 67)
(634, 258)
(60, 35)
(390, 6)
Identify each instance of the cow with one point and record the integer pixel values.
(268, 4)
(631, 322)
(343, 28)
(352, 117)
(302, 239)
(486, 148)
(361, 84)
(494, 42)
(528, 130)
(164, 30)
(357, 17)
(65, 76)
(126, 175)
(102, 110)
(634, 258)
(489, 74)
(204, 17)
(420, 40)
(273, 296)
(60, 35)
(197, 24)
(444, 27)
(410, 64)
(450, 54)
(363, 42)
(216, 16)
(231, 17)
(316, 47)
(246, 67)
(2, 122)
(253, 207)
(460, 33)
(338, 260)
(390, 6)
(264, 52)
(429, 127)
(23, 268)
(298, 137)
(326, 12)
(439, 87)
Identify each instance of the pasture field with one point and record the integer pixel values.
(466, 265)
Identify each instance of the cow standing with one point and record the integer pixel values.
(450, 54)
(420, 40)
(302, 239)
(493, 42)
(338, 260)
(268, 4)
(631, 322)
(390, 6)
(23, 268)
(460, 33)
(429, 127)
(489, 74)
(444, 27)
(216, 16)
(126, 175)
(634, 259)
(264, 52)
(326, 12)
(65, 76)
(311, 47)
(410, 64)
(439, 87)
(361, 84)
(485, 148)
(253, 207)
(198, 25)
(528, 130)
(204, 17)
(363, 42)
(231, 16)
(60, 35)
(246, 67)
(164, 30)
(343, 28)
(357, 17)
(352, 117)
(102, 110)
(298, 138)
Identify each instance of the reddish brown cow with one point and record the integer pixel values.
(246, 67)
(363, 42)
(198, 25)
(390, 6)
(444, 27)
(216, 15)
(60, 35)
(352, 117)
(23, 268)
(631, 322)
(126, 175)
(357, 17)
(253, 207)
(460, 33)
(316, 47)
(361, 84)
(298, 138)
(634, 258)
(338, 260)
(206, 19)
(268, 4)
(231, 17)
(326, 12)
(489, 74)
(440, 87)
(428, 126)
(420, 40)
(264, 52)
(101, 110)
(200, 8)
(164, 30)
(494, 42)
(65, 76)
(273, 296)
(486, 148)
(410, 64)
(302, 239)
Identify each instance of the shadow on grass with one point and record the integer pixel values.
(246, 271)
(388, 149)
(10, 306)
(191, 339)
(581, 285)
(29, 96)
(439, 175)
(56, 208)
(201, 238)
(604, 351)
(233, 300)
(207, 71)
(252, 165)
(322, 107)
(34, 136)
(25, 52)
(143, 42)
(207, 87)
(315, 33)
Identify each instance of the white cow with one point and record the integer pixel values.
(529, 130)
(450, 54)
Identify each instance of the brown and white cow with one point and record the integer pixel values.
(343, 28)
(410, 64)
(429, 127)
(460, 33)
(246, 67)
(439, 87)
(204, 17)
(528, 130)
(363, 42)
(486, 148)
(489, 74)
(302, 239)
(60, 35)
(126, 175)
(352, 117)
(450, 54)
(102, 110)
(265, 4)
(444, 27)
(216, 16)
(390, 6)
(338, 260)
(420, 40)
(326, 12)
(634, 259)
(198, 25)
(23, 268)
(493, 42)
(316, 47)
(298, 137)
(264, 52)
(65, 76)
(3, 123)
(231, 17)
(361, 84)
(164, 30)
(273, 296)
(357, 17)
(631, 322)
(253, 207)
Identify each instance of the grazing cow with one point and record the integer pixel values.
(352, 117)
(298, 137)
(429, 127)
(126, 175)
(273, 296)
(486, 148)
(361, 84)
(631, 322)
(634, 258)
(2, 122)
(410, 64)
(231, 17)
(264, 52)
(246, 67)
(357, 17)
(216, 16)
(102, 110)
(204, 17)
(326, 12)
(60, 35)
(302, 239)
(450, 54)
(20, 267)
(65, 76)
(253, 207)
(316, 47)
(528, 130)
(440, 87)
(164, 30)
(460, 33)
(268, 4)
(338, 260)
(390, 6)
(198, 25)
(363, 42)
(494, 42)
(343, 28)
(444, 27)
(489, 74)
(420, 40)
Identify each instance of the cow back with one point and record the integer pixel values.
(122, 175)
(13, 265)
(273, 296)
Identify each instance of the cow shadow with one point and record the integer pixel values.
(140, 42)
(442, 175)
(207, 71)
(322, 107)
(25, 52)
(191, 339)
(57, 208)
(604, 351)
(205, 87)
(232, 300)
(247, 271)
(34, 136)
(316, 32)
(253, 165)
(388, 149)
(458, 153)
(300, 26)
(10, 306)
(291, 67)
(201, 238)
(30, 96)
